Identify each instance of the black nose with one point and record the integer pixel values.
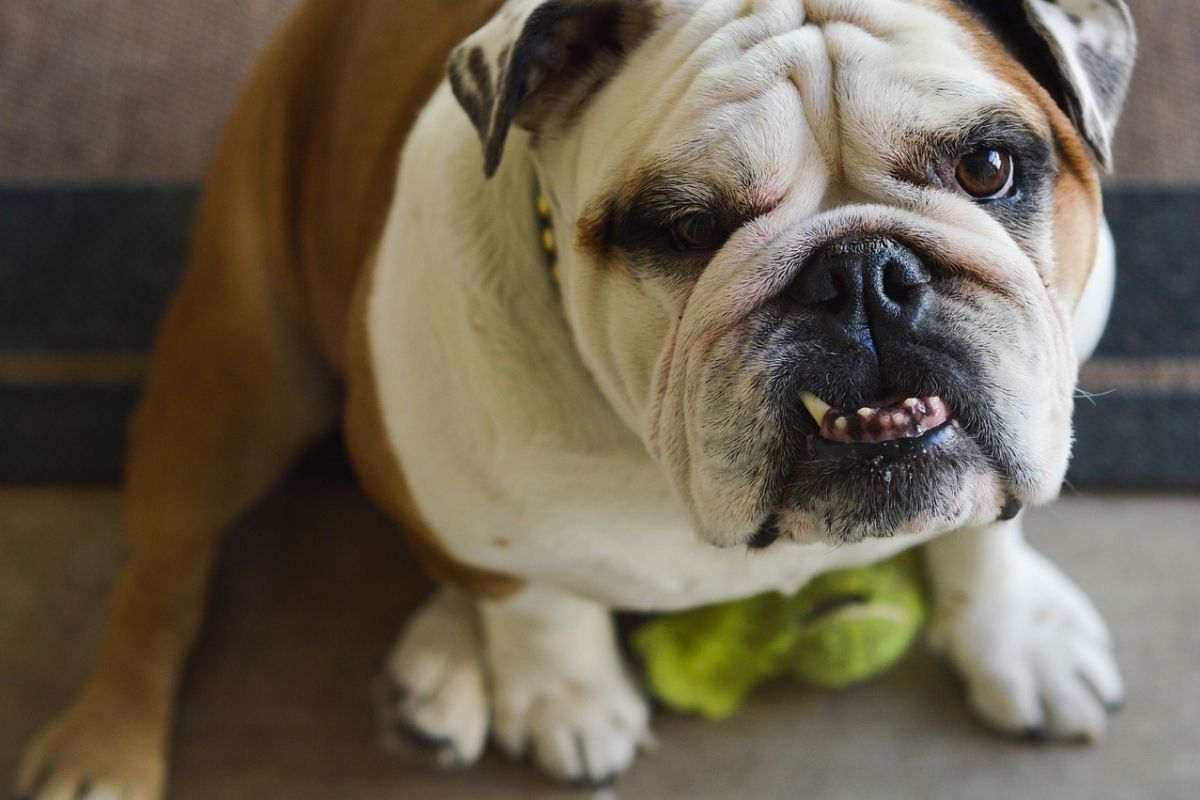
(864, 288)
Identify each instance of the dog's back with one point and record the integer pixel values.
(309, 157)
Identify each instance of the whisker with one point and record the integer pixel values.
(1084, 394)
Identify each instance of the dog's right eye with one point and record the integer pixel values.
(698, 231)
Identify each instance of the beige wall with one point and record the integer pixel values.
(121, 89)
(136, 89)
(1159, 138)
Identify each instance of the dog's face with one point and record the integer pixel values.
(821, 254)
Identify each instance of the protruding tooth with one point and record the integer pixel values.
(866, 413)
(815, 405)
(935, 405)
(911, 403)
(900, 420)
(841, 424)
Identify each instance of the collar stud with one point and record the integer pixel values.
(549, 240)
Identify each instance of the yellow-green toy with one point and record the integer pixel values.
(841, 628)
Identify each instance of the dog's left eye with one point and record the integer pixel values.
(698, 231)
(986, 174)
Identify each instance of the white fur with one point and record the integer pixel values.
(1035, 654)
(548, 485)
(499, 423)
(1091, 314)
(560, 691)
(530, 419)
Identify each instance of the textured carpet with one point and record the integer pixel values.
(316, 585)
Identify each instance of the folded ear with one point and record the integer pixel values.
(1082, 51)
(538, 59)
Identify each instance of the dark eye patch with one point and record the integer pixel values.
(646, 228)
(932, 159)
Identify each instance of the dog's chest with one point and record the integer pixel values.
(614, 535)
(600, 523)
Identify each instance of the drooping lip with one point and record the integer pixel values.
(889, 420)
(874, 455)
(895, 430)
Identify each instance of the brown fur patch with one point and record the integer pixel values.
(315, 143)
(325, 117)
(1077, 204)
(293, 206)
(592, 229)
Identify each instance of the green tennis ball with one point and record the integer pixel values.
(853, 625)
(709, 659)
(842, 628)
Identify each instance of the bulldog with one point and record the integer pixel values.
(733, 293)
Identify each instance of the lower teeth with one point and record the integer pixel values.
(908, 419)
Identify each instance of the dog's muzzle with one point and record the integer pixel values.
(861, 292)
(868, 378)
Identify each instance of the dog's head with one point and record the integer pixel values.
(823, 255)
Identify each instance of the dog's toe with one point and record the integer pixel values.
(1052, 694)
(581, 735)
(434, 701)
(447, 726)
(94, 753)
(66, 785)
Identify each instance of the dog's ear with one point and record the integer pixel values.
(1082, 51)
(538, 58)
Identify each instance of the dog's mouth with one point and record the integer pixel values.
(876, 470)
(890, 419)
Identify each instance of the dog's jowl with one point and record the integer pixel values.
(807, 284)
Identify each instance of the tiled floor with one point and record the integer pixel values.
(315, 584)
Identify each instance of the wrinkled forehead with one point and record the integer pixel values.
(778, 90)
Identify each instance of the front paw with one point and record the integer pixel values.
(560, 693)
(433, 699)
(583, 731)
(1034, 652)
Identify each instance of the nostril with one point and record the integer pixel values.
(824, 287)
(853, 282)
(896, 285)
(903, 278)
(838, 295)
